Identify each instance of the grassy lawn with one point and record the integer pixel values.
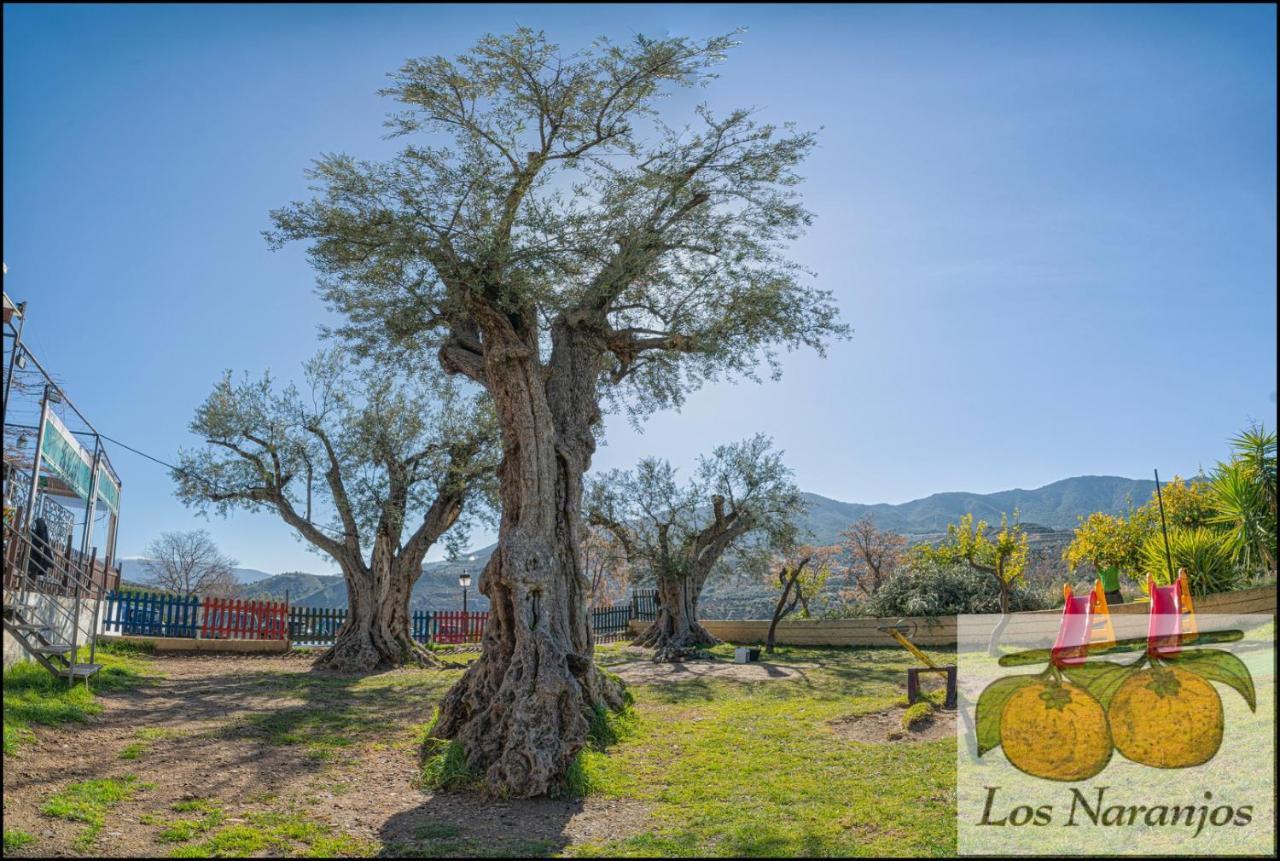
(702, 766)
(33, 696)
(736, 768)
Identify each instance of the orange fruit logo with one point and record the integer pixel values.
(1162, 710)
(1166, 717)
(1056, 731)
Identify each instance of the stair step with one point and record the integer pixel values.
(80, 671)
(27, 628)
(52, 649)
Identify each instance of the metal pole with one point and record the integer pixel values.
(97, 608)
(13, 356)
(464, 600)
(35, 463)
(90, 503)
(113, 524)
(75, 634)
(1168, 557)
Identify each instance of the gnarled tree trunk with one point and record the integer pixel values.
(376, 633)
(522, 711)
(675, 633)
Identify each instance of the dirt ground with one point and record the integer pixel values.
(645, 671)
(203, 703)
(886, 727)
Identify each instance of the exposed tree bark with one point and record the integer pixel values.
(522, 711)
(675, 633)
(377, 632)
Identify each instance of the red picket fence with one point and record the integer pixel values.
(230, 619)
(458, 627)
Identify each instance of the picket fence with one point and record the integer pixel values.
(162, 614)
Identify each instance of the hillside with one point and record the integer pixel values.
(1049, 513)
(436, 589)
(1055, 505)
(135, 571)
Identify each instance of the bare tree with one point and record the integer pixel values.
(801, 574)
(189, 563)
(604, 561)
(872, 554)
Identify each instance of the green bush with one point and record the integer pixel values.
(1205, 553)
(934, 589)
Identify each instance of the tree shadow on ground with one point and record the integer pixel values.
(245, 726)
(469, 824)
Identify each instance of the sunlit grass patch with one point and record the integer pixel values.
(15, 839)
(752, 768)
(32, 695)
(278, 834)
(88, 802)
(145, 738)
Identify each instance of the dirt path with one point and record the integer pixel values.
(268, 734)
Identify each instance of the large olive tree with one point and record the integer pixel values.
(742, 496)
(547, 235)
(369, 469)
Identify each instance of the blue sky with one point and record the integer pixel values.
(1051, 228)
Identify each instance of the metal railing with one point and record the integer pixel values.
(34, 567)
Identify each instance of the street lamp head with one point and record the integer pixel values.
(464, 580)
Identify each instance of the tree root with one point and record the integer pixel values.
(357, 654)
(669, 648)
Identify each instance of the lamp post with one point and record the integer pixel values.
(464, 580)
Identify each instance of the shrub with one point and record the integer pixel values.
(934, 589)
(1206, 555)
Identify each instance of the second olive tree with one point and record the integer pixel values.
(370, 469)
(741, 498)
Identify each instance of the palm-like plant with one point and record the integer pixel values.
(1244, 496)
(1205, 554)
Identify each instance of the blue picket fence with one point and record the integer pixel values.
(152, 614)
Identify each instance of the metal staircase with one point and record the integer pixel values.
(44, 590)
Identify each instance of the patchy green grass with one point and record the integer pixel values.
(32, 695)
(276, 834)
(704, 766)
(145, 738)
(183, 829)
(917, 714)
(753, 768)
(15, 840)
(88, 801)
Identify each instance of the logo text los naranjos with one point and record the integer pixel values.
(1084, 810)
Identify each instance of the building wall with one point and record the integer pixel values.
(45, 613)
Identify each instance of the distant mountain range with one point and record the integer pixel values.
(1056, 506)
(1047, 511)
(436, 589)
(135, 571)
